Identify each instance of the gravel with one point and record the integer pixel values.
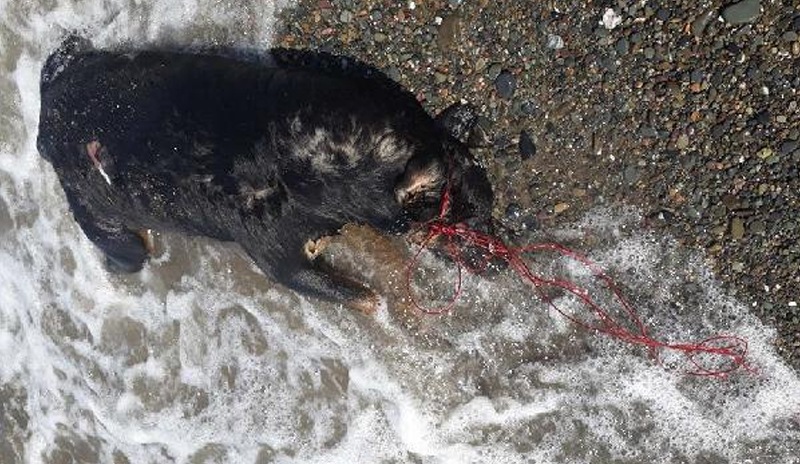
(694, 120)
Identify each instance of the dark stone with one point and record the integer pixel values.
(526, 146)
(622, 46)
(505, 84)
(788, 146)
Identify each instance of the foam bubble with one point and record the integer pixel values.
(200, 359)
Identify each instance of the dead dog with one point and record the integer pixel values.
(273, 154)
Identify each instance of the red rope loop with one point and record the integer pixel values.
(730, 350)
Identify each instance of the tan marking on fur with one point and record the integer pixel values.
(327, 153)
(417, 183)
(390, 148)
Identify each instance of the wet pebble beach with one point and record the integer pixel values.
(687, 110)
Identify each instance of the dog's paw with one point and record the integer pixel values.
(314, 248)
(147, 240)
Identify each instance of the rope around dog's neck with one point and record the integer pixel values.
(731, 348)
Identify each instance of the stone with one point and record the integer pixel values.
(560, 208)
(449, 31)
(526, 146)
(737, 228)
(743, 12)
(505, 84)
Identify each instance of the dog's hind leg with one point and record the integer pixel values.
(321, 280)
(125, 249)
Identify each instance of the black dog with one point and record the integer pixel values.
(271, 153)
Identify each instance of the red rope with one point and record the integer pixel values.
(732, 347)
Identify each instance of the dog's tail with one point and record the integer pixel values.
(60, 59)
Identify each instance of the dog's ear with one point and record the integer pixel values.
(458, 120)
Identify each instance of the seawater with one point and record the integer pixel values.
(199, 359)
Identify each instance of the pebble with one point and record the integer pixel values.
(788, 147)
(682, 142)
(526, 146)
(555, 42)
(448, 31)
(513, 212)
(346, 16)
(610, 19)
(505, 84)
(622, 46)
(764, 153)
(701, 22)
(494, 70)
(560, 208)
(737, 228)
(742, 12)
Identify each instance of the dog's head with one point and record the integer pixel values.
(448, 167)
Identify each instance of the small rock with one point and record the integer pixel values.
(649, 53)
(648, 132)
(737, 228)
(346, 16)
(513, 212)
(758, 227)
(788, 147)
(700, 23)
(610, 19)
(631, 174)
(526, 146)
(764, 153)
(555, 42)
(682, 142)
(494, 70)
(505, 84)
(379, 37)
(663, 14)
(742, 12)
(449, 31)
(560, 208)
(622, 46)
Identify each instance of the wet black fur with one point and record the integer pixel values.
(225, 147)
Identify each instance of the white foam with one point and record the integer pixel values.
(503, 379)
